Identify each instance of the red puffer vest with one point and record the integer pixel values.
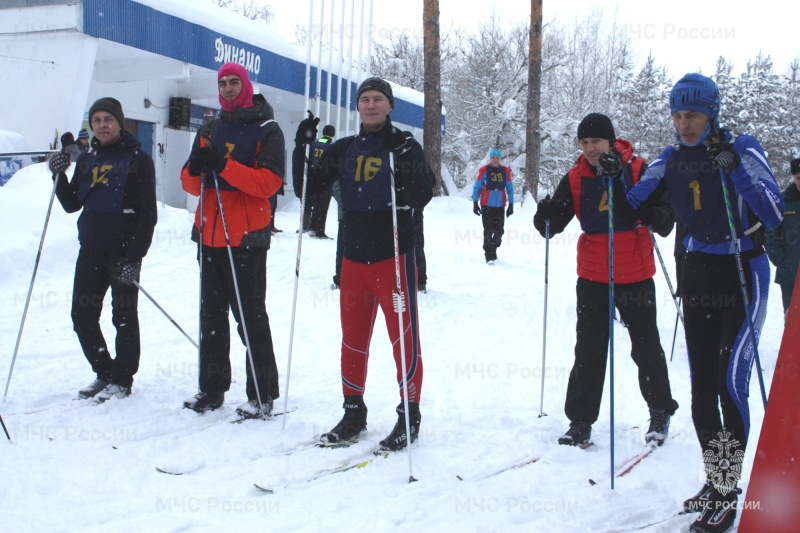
(633, 248)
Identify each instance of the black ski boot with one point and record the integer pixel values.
(93, 389)
(352, 423)
(698, 502)
(719, 513)
(396, 440)
(205, 401)
(578, 434)
(659, 427)
(251, 409)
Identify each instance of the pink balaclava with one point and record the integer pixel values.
(245, 98)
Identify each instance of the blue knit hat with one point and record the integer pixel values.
(695, 92)
(495, 152)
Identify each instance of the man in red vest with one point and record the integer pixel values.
(583, 192)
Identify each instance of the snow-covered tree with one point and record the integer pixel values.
(642, 111)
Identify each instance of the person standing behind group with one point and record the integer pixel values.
(70, 147)
(315, 210)
(582, 193)
(715, 179)
(361, 165)
(320, 202)
(242, 153)
(115, 187)
(493, 188)
(783, 243)
(83, 140)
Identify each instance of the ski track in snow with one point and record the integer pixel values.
(92, 468)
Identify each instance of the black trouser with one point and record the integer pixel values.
(493, 221)
(419, 247)
(637, 309)
(219, 295)
(319, 211)
(92, 279)
(718, 340)
(339, 252)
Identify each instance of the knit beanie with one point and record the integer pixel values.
(695, 92)
(245, 98)
(83, 134)
(329, 131)
(597, 126)
(495, 152)
(376, 84)
(109, 105)
(795, 165)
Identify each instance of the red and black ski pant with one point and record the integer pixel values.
(364, 289)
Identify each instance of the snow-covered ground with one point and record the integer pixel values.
(73, 466)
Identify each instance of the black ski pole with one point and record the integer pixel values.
(4, 429)
(238, 295)
(666, 274)
(743, 284)
(165, 313)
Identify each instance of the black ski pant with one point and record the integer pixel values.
(721, 352)
(219, 296)
(339, 252)
(493, 219)
(637, 308)
(319, 211)
(93, 277)
(419, 247)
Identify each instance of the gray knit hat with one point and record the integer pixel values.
(109, 105)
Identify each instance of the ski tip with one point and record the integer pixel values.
(592, 482)
(459, 477)
(262, 488)
(168, 471)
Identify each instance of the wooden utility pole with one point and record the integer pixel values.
(432, 122)
(532, 131)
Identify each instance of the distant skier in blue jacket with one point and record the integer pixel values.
(718, 336)
(493, 188)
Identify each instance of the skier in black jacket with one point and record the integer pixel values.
(114, 185)
(361, 165)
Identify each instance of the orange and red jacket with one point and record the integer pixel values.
(247, 186)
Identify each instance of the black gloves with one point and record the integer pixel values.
(206, 159)
(545, 209)
(393, 139)
(476, 208)
(307, 130)
(59, 163)
(510, 210)
(649, 216)
(609, 163)
(723, 156)
(127, 270)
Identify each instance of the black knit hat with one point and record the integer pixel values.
(376, 84)
(109, 105)
(329, 131)
(597, 126)
(795, 165)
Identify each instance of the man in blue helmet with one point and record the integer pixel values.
(716, 178)
(492, 190)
